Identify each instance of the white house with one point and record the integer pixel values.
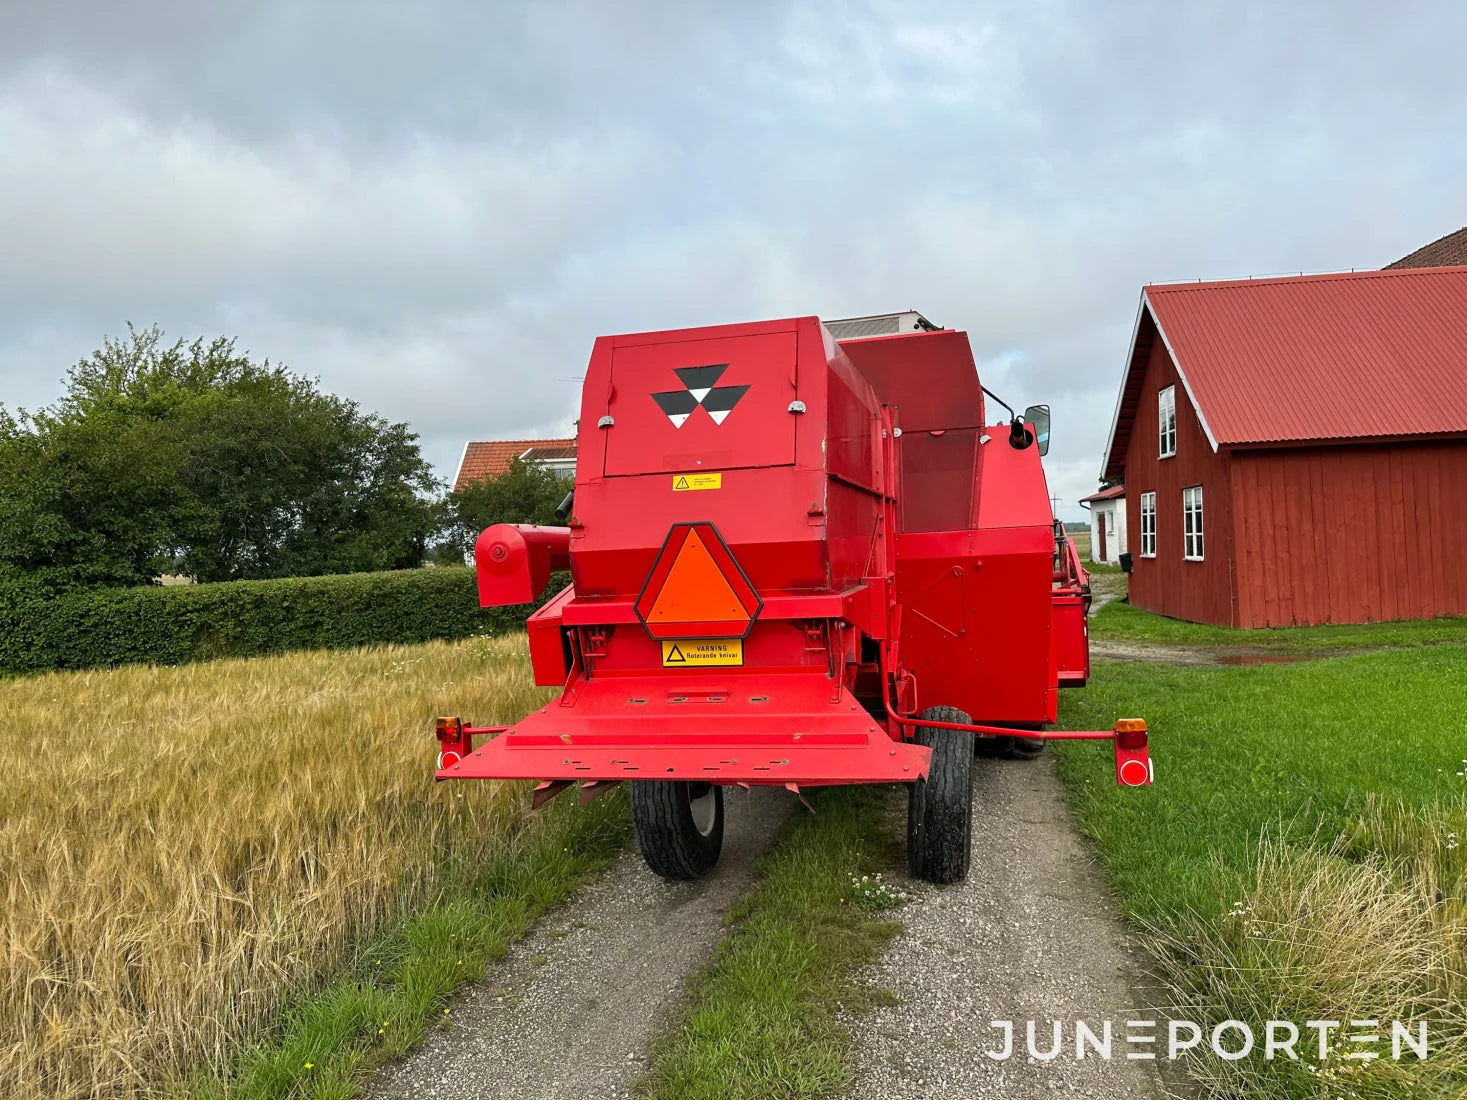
(1107, 524)
(483, 459)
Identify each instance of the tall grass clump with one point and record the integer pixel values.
(185, 850)
(1371, 925)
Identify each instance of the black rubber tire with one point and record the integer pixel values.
(1024, 748)
(667, 832)
(991, 747)
(940, 807)
(1008, 748)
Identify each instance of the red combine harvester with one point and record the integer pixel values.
(795, 561)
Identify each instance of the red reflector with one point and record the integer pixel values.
(696, 589)
(1134, 773)
(448, 759)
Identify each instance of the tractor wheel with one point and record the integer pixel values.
(940, 807)
(1008, 748)
(679, 825)
(1024, 748)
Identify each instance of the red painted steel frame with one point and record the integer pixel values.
(880, 564)
(514, 561)
(1129, 737)
(802, 733)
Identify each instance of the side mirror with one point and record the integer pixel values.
(1037, 417)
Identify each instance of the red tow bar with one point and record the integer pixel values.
(1133, 758)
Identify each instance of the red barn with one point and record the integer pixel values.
(1295, 450)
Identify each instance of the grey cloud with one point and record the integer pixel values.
(437, 207)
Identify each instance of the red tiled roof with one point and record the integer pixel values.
(1448, 251)
(491, 457)
(540, 454)
(1114, 492)
(1314, 357)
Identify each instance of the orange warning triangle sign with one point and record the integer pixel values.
(696, 589)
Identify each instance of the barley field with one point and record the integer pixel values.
(183, 848)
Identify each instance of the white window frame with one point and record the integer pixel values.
(1166, 415)
(1148, 529)
(1193, 548)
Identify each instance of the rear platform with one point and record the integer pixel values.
(775, 730)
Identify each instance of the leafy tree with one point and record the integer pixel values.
(527, 493)
(82, 500)
(192, 458)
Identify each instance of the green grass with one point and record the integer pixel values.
(1119, 621)
(328, 1043)
(1296, 857)
(761, 1019)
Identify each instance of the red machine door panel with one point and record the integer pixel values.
(702, 405)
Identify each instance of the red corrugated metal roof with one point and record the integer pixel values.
(1377, 353)
(491, 457)
(1105, 494)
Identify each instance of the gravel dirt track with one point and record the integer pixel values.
(1032, 933)
(570, 1012)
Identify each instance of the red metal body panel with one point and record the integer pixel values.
(974, 568)
(1071, 641)
(550, 650)
(929, 378)
(514, 561)
(888, 549)
(756, 432)
(1071, 602)
(773, 517)
(976, 621)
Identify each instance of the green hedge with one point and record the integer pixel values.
(193, 622)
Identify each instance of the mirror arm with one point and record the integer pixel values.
(1000, 400)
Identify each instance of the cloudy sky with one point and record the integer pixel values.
(436, 207)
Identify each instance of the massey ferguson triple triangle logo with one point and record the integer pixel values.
(702, 389)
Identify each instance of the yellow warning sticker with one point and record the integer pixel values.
(703, 651)
(683, 483)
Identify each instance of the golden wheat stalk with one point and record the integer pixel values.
(182, 848)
